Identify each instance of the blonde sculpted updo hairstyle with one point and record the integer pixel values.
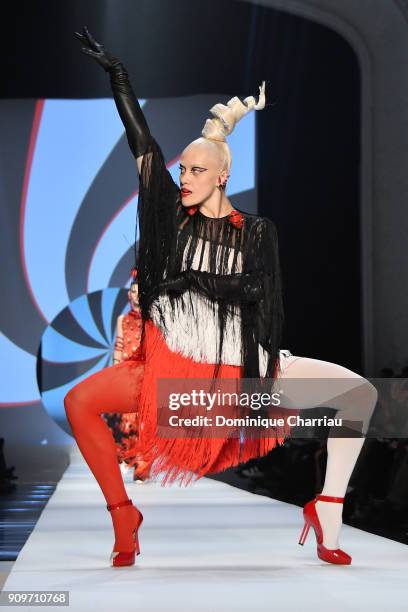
(225, 117)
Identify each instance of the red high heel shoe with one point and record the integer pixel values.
(331, 555)
(121, 558)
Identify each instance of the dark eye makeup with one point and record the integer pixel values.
(193, 168)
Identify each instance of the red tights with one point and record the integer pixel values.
(114, 389)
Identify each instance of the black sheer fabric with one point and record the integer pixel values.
(235, 270)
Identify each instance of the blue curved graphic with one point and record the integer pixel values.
(72, 348)
(78, 227)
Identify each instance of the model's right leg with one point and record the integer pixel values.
(114, 389)
(308, 383)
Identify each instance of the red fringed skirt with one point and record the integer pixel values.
(184, 459)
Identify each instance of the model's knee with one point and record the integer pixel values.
(72, 404)
(372, 393)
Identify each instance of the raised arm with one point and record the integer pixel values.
(137, 131)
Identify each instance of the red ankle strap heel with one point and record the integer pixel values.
(329, 498)
(126, 502)
(329, 555)
(122, 558)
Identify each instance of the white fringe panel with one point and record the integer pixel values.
(191, 328)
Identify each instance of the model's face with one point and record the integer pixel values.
(133, 295)
(200, 173)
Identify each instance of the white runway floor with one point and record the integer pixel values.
(210, 547)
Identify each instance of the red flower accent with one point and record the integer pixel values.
(236, 218)
(133, 272)
(191, 210)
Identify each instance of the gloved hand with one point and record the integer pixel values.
(96, 50)
(137, 130)
(247, 287)
(174, 285)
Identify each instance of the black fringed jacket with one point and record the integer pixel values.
(170, 240)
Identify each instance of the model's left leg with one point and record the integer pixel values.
(113, 389)
(354, 398)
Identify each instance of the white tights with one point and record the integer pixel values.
(354, 398)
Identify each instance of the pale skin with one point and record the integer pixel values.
(202, 171)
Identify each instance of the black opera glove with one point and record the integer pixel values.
(246, 287)
(239, 286)
(137, 130)
(174, 285)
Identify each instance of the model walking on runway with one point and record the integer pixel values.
(211, 304)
